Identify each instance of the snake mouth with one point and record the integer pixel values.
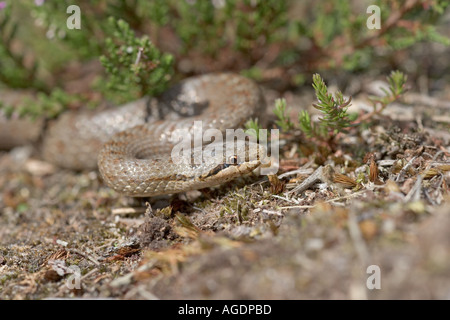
(245, 160)
(225, 172)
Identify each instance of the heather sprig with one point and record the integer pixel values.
(397, 81)
(283, 121)
(49, 106)
(134, 65)
(397, 87)
(14, 71)
(335, 118)
(334, 108)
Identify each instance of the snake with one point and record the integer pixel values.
(132, 145)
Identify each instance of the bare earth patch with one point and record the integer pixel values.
(254, 238)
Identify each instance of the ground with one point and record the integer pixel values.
(248, 239)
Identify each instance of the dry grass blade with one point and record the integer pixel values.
(276, 185)
(344, 181)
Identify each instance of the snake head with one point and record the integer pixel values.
(237, 160)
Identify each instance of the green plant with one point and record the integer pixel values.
(283, 121)
(283, 40)
(397, 81)
(253, 126)
(14, 71)
(85, 43)
(339, 38)
(334, 108)
(48, 105)
(257, 22)
(134, 65)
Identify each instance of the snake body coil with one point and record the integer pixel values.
(132, 146)
(138, 162)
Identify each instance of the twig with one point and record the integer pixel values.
(317, 176)
(403, 170)
(386, 163)
(85, 255)
(88, 274)
(296, 171)
(437, 154)
(271, 212)
(299, 207)
(129, 210)
(126, 279)
(286, 199)
(414, 193)
(138, 57)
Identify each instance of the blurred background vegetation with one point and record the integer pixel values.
(129, 48)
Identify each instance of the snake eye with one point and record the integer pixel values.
(233, 160)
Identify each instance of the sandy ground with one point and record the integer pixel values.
(65, 234)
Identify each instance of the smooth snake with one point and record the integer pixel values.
(132, 144)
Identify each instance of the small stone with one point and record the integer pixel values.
(52, 276)
(369, 229)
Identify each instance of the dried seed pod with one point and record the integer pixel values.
(373, 171)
